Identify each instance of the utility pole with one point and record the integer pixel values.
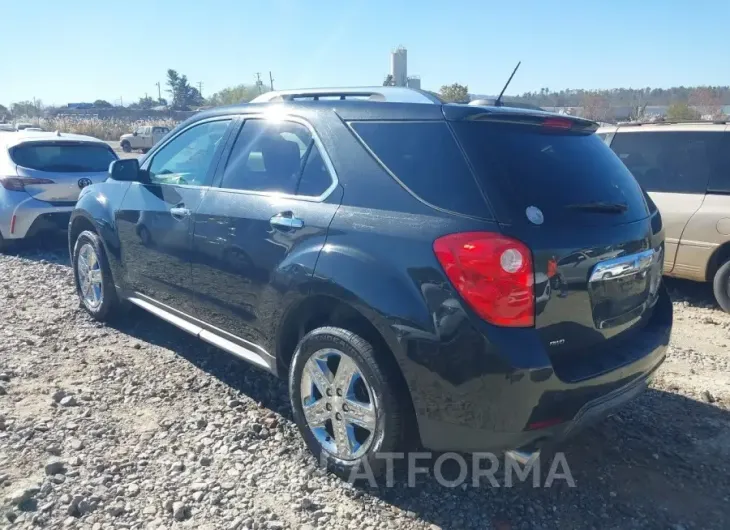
(159, 92)
(271, 80)
(200, 88)
(258, 81)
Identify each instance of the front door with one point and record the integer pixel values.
(258, 235)
(154, 220)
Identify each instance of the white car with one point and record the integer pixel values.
(143, 138)
(41, 176)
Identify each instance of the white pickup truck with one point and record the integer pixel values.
(143, 138)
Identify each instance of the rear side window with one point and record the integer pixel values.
(671, 162)
(554, 171)
(63, 158)
(424, 157)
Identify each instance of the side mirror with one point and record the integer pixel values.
(127, 170)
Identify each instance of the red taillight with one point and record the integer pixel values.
(19, 183)
(557, 123)
(493, 273)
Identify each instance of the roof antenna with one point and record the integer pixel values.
(498, 102)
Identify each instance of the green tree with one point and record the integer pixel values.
(233, 95)
(183, 95)
(681, 112)
(30, 109)
(455, 93)
(4, 113)
(389, 81)
(102, 104)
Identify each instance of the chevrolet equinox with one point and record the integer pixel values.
(465, 278)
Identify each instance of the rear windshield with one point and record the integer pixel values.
(523, 166)
(675, 161)
(63, 158)
(425, 158)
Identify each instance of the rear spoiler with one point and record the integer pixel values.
(506, 115)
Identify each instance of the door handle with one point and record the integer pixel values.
(179, 213)
(285, 220)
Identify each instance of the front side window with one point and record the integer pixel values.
(187, 158)
(670, 162)
(277, 157)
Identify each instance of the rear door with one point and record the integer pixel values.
(673, 166)
(259, 233)
(56, 170)
(596, 249)
(154, 219)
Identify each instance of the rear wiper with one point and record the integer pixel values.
(600, 207)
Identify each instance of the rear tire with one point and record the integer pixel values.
(94, 282)
(126, 147)
(371, 397)
(721, 286)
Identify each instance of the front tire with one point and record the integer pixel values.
(94, 282)
(126, 147)
(721, 286)
(345, 401)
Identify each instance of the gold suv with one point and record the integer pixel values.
(685, 168)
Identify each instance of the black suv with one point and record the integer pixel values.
(467, 278)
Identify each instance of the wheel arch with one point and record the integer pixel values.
(719, 256)
(320, 310)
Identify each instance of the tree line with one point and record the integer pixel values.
(683, 102)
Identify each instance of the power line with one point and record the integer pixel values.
(200, 88)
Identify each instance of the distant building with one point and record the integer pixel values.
(399, 66)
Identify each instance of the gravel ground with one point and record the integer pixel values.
(137, 425)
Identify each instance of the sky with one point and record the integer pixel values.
(62, 51)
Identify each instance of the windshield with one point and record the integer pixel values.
(63, 158)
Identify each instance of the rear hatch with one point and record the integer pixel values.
(56, 171)
(597, 248)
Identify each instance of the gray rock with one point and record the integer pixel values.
(116, 509)
(19, 496)
(132, 490)
(58, 395)
(180, 511)
(68, 401)
(3, 392)
(55, 467)
(76, 444)
(198, 486)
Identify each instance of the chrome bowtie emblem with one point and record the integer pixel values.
(534, 215)
(83, 182)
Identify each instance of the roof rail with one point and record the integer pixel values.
(391, 94)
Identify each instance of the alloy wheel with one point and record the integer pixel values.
(339, 404)
(88, 268)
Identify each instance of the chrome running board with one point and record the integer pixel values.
(208, 336)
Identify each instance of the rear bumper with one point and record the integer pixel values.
(23, 216)
(529, 409)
